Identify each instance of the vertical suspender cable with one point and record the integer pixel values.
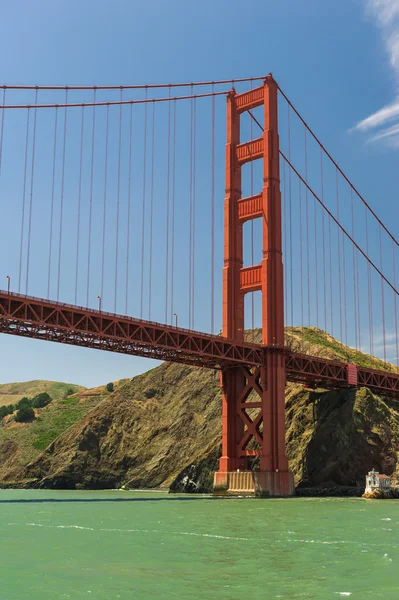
(194, 203)
(24, 201)
(2, 128)
(91, 199)
(323, 237)
(382, 298)
(345, 295)
(395, 304)
(31, 195)
(62, 197)
(50, 246)
(315, 249)
(370, 289)
(285, 240)
(190, 262)
(118, 196)
(300, 252)
(354, 272)
(129, 208)
(151, 207)
(213, 218)
(331, 278)
(307, 227)
(104, 202)
(167, 217)
(143, 205)
(172, 278)
(82, 125)
(290, 213)
(339, 261)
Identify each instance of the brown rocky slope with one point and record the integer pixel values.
(163, 428)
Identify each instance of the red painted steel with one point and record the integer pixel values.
(42, 319)
(245, 432)
(33, 317)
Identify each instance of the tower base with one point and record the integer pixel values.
(262, 484)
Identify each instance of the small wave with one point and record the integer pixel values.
(386, 519)
(193, 533)
(344, 593)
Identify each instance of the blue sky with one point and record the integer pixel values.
(337, 60)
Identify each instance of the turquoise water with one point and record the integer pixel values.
(141, 545)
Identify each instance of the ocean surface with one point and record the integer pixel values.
(145, 545)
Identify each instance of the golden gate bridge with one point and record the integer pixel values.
(115, 235)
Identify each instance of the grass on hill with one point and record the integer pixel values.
(11, 393)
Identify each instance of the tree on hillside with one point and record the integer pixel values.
(24, 414)
(110, 387)
(41, 400)
(24, 402)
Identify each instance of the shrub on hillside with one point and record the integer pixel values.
(26, 413)
(41, 400)
(24, 402)
(6, 410)
(110, 387)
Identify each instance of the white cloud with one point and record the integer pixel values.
(386, 13)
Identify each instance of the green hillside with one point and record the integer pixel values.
(11, 393)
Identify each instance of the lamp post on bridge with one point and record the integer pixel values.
(99, 303)
(175, 315)
(8, 283)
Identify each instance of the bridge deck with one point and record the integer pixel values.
(47, 320)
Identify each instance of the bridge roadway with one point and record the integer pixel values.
(53, 321)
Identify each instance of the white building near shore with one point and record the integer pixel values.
(375, 481)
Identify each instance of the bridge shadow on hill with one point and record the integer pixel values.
(95, 500)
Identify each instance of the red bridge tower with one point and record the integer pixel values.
(253, 400)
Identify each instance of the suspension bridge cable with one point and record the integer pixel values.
(316, 263)
(324, 244)
(354, 272)
(167, 216)
(285, 239)
(213, 219)
(339, 259)
(190, 262)
(50, 246)
(337, 166)
(82, 125)
(194, 206)
(62, 198)
(345, 294)
(104, 239)
(31, 196)
(382, 298)
(24, 201)
(395, 306)
(300, 253)
(133, 87)
(91, 200)
(370, 290)
(116, 102)
(151, 209)
(118, 196)
(129, 203)
(307, 226)
(290, 219)
(172, 282)
(348, 236)
(143, 206)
